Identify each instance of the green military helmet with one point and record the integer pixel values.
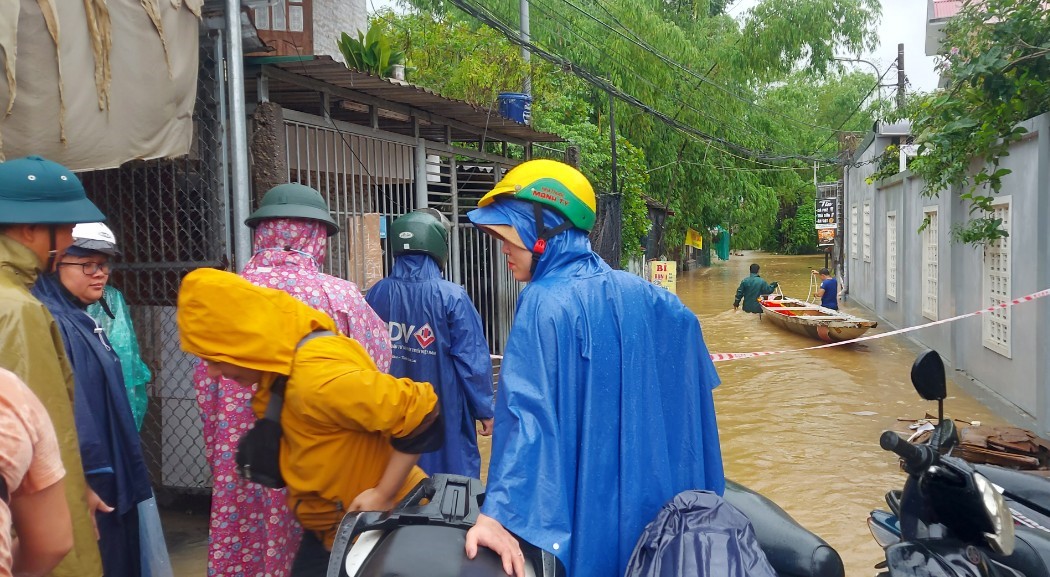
(293, 200)
(424, 230)
(34, 190)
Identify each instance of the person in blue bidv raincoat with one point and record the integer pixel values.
(437, 337)
(109, 442)
(604, 409)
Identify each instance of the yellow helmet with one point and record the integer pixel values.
(549, 182)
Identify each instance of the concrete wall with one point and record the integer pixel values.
(1017, 385)
(332, 18)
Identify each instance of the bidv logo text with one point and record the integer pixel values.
(405, 334)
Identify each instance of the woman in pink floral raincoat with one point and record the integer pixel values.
(252, 531)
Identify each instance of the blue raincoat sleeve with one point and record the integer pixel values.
(473, 363)
(436, 336)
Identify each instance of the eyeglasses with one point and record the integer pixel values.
(89, 268)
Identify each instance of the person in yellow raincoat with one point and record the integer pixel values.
(351, 434)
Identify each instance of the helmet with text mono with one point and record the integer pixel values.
(553, 184)
(421, 231)
(34, 190)
(91, 237)
(293, 200)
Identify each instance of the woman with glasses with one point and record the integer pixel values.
(109, 441)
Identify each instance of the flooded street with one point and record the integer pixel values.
(802, 428)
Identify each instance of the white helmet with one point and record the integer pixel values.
(94, 237)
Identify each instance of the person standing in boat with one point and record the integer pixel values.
(750, 289)
(828, 291)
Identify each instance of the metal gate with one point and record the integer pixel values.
(365, 173)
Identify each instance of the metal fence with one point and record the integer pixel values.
(170, 217)
(365, 174)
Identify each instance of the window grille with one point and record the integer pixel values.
(996, 329)
(853, 231)
(891, 256)
(929, 264)
(867, 232)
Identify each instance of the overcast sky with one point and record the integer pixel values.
(902, 21)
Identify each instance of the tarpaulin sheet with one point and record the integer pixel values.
(120, 85)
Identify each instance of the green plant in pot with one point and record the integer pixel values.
(371, 52)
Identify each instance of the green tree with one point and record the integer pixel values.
(738, 154)
(998, 73)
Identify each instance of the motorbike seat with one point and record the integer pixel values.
(792, 550)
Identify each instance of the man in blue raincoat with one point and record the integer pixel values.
(604, 409)
(436, 336)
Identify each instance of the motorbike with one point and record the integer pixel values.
(424, 535)
(951, 520)
(1027, 495)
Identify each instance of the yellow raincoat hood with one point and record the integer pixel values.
(221, 316)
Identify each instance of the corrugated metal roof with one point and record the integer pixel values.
(946, 8)
(296, 83)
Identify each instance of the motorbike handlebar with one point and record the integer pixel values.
(916, 457)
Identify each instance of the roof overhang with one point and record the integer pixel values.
(324, 86)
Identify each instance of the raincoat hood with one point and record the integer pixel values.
(564, 249)
(224, 318)
(415, 267)
(289, 240)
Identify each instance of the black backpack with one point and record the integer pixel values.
(259, 451)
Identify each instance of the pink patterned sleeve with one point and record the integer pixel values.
(357, 320)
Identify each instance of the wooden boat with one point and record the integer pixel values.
(813, 320)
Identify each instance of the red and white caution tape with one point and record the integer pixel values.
(718, 357)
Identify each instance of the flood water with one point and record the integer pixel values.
(803, 428)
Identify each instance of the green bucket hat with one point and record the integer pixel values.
(34, 190)
(293, 200)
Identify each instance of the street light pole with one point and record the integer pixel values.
(878, 76)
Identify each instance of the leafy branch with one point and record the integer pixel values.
(998, 73)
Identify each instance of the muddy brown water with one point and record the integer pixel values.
(801, 428)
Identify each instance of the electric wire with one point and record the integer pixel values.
(547, 11)
(856, 109)
(652, 50)
(489, 19)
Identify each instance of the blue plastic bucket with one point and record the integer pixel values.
(515, 106)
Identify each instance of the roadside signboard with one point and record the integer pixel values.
(826, 213)
(662, 273)
(827, 221)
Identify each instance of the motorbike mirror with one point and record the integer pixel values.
(927, 376)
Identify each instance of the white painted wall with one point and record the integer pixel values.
(332, 18)
(1015, 386)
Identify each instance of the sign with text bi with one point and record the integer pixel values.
(663, 273)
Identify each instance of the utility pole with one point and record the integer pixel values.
(901, 78)
(523, 9)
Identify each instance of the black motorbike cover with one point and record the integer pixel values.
(698, 534)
